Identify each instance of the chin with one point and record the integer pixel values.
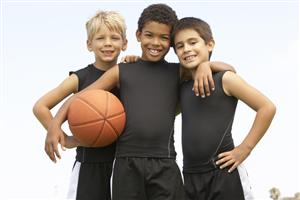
(154, 59)
(108, 59)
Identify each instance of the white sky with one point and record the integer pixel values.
(42, 41)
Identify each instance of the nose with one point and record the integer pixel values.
(186, 48)
(155, 41)
(107, 41)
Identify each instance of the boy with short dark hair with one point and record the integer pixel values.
(145, 166)
(210, 157)
(92, 169)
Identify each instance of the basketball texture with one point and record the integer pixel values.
(96, 118)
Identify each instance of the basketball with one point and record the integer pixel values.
(96, 118)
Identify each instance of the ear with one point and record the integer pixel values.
(89, 45)
(138, 35)
(124, 47)
(210, 45)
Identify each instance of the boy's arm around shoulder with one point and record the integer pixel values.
(234, 85)
(203, 80)
(217, 66)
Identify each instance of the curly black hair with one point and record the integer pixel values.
(160, 13)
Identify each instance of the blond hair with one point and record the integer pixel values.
(110, 19)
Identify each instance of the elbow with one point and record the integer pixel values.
(271, 109)
(36, 109)
(232, 69)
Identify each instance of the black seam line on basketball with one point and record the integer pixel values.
(90, 105)
(107, 100)
(100, 133)
(89, 122)
(115, 115)
(115, 130)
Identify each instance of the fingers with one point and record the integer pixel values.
(196, 87)
(56, 152)
(129, 59)
(227, 163)
(123, 60)
(223, 158)
(50, 152)
(226, 160)
(233, 167)
(206, 86)
(211, 82)
(202, 86)
(62, 142)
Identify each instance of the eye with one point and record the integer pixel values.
(100, 38)
(193, 42)
(178, 46)
(148, 35)
(115, 38)
(165, 38)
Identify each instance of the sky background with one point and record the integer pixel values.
(42, 41)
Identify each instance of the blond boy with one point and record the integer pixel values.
(92, 169)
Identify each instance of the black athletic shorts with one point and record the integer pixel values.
(94, 181)
(213, 185)
(146, 179)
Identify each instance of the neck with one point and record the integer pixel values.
(104, 65)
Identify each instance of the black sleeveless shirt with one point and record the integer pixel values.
(206, 126)
(86, 77)
(149, 92)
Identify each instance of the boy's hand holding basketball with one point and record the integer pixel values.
(233, 158)
(71, 142)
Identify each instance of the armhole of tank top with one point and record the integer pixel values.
(78, 80)
(222, 85)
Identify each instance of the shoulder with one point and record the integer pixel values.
(81, 71)
(230, 77)
(232, 82)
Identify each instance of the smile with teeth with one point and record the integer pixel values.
(107, 52)
(154, 52)
(189, 58)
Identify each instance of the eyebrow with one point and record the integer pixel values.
(167, 34)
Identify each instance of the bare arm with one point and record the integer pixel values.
(107, 81)
(203, 80)
(42, 108)
(217, 66)
(265, 110)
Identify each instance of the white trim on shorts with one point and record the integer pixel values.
(72, 192)
(248, 194)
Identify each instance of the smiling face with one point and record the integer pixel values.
(106, 45)
(191, 49)
(155, 40)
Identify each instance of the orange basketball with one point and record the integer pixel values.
(96, 118)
